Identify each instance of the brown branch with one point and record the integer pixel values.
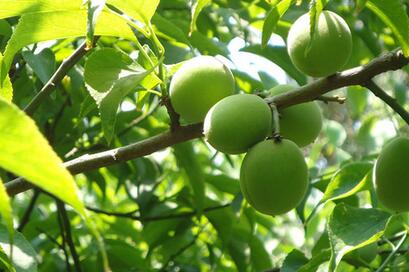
(26, 217)
(131, 215)
(389, 100)
(335, 98)
(68, 234)
(113, 156)
(173, 115)
(355, 76)
(62, 70)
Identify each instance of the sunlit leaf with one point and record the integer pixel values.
(350, 228)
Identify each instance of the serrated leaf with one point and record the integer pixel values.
(273, 16)
(24, 256)
(350, 228)
(316, 261)
(347, 181)
(45, 23)
(94, 9)
(6, 88)
(197, 7)
(316, 7)
(141, 10)
(6, 211)
(279, 56)
(43, 63)
(393, 14)
(26, 153)
(187, 159)
(110, 75)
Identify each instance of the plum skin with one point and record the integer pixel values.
(391, 175)
(237, 122)
(329, 50)
(274, 176)
(300, 123)
(197, 85)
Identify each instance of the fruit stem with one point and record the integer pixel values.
(276, 120)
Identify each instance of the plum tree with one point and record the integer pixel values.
(300, 123)
(327, 52)
(237, 122)
(197, 85)
(274, 176)
(391, 175)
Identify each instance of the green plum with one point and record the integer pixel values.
(274, 176)
(197, 85)
(327, 52)
(300, 123)
(237, 122)
(391, 175)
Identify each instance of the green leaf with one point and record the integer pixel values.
(5, 262)
(316, 261)
(393, 14)
(49, 24)
(26, 153)
(110, 75)
(6, 211)
(224, 183)
(334, 132)
(187, 159)
(273, 16)
(6, 88)
(43, 63)
(278, 55)
(141, 10)
(294, 261)
(316, 8)
(24, 256)
(94, 9)
(350, 228)
(357, 100)
(259, 256)
(347, 181)
(197, 7)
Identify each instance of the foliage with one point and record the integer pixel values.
(91, 77)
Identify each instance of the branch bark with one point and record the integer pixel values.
(356, 76)
(62, 70)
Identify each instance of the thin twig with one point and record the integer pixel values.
(26, 217)
(394, 251)
(355, 76)
(64, 239)
(335, 98)
(68, 232)
(131, 215)
(60, 246)
(376, 90)
(56, 78)
(173, 115)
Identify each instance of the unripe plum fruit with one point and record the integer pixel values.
(274, 176)
(197, 85)
(237, 122)
(329, 50)
(300, 123)
(391, 175)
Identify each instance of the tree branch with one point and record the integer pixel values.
(335, 98)
(355, 76)
(131, 215)
(389, 100)
(68, 234)
(26, 217)
(62, 70)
